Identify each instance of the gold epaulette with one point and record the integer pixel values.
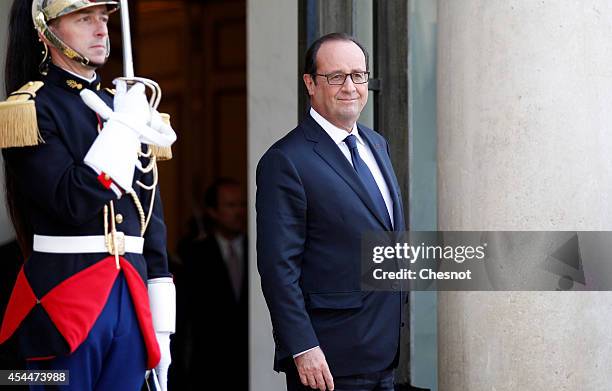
(162, 153)
(110, 90)
(18, 124)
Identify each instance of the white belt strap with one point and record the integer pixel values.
(82, 244)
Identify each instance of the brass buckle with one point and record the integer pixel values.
(116, 244)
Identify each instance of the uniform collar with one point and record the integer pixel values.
(70, 81)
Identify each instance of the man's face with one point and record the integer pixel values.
(230, 213)
(340, 105)
(85, 31)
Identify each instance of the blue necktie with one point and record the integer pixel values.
(367, 179)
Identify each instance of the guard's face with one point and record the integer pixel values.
(86, 32)
(339, 104)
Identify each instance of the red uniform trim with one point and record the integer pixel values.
(140, 298)
(75, 304)
(105, 180)
(20, 304)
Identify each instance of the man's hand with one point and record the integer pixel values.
(313, 370)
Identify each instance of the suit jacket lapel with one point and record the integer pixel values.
(380, 154)
(331, 154)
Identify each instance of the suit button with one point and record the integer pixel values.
(119, 218)
(403, 324)
(395, 285)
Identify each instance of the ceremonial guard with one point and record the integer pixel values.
(94, 296)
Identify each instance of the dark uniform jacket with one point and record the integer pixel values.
(57, 297)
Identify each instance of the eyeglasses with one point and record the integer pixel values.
(338, 79)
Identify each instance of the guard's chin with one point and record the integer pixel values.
(97, 64)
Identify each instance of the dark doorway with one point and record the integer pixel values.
(196, 51)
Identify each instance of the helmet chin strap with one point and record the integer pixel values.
(65, 49)
(42, 67)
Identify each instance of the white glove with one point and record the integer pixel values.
(131, 106)
(162, 298)
(115, 150)
(166, 137)
(135, 113)
(161, 370)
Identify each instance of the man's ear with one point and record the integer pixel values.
(309, 83)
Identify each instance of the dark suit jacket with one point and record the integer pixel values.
(312, 210)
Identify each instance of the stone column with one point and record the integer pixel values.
(272, 111)
(524, 143)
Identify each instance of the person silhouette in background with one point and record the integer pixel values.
(216, 284)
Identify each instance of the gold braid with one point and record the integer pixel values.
(144, 222)
(141, 213)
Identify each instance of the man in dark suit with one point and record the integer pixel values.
(216, 276)
(319, 189)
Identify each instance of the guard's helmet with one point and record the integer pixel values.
(44, 11)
